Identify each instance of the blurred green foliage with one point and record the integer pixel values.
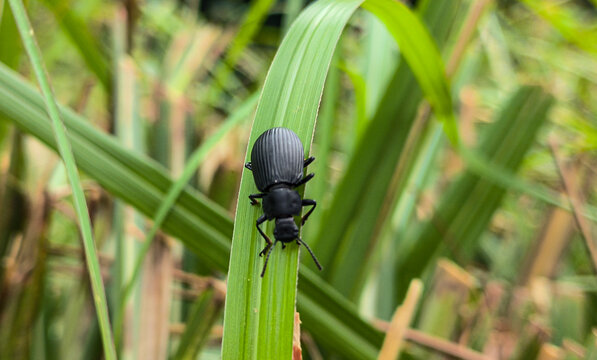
(505, 270)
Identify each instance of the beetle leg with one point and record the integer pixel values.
(252, 197)
(308, 202)
(269, 251)
(308, 161)
(260, 221)
(299, 241)
(304, 180)
(249, 166)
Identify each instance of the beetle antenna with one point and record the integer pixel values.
(300, 241)
(269, 251)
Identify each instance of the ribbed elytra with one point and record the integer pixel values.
(277, 157)
(277, 162)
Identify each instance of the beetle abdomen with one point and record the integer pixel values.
(277, 157)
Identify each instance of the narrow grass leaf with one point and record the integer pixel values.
(65, 150)
(10, 52)
(204, 313)
(128, 175)
(201, 225)
(468, 205)
(88, 47)
(249, 27)
(419, 50)
(360, 194)
(290, 98)
(259, 315)
(567, 22)
(176, 189)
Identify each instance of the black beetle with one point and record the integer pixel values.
(277, 162)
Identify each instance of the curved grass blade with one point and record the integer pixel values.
(251, 24)
(260, 312)
(64, 147)
(419, 50)
(142, 173)
(351, 216)
(470, 202)
(90, 50)
(202, 226)
(176, 189)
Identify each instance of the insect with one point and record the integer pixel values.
(277, 163)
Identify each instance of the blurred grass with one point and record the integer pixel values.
(64, 147)
(366, 232)
(468, 205)
(84, 42)
(354, 207)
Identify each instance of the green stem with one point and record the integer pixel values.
(99, 296)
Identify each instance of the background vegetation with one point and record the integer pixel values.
(158, 100)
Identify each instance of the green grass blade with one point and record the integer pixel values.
(359, 196)
(290, 98)
(204, 313)
(567, 22)
(202, 226)
(176, 189)
(419, 50)
(10, 52)
(334, 319)
(259, 314)
(65, 150)
(132, 177)
(77, 31)
(467, 206)
(251, 24)
(322, 144)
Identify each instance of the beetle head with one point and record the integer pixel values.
(286, 229)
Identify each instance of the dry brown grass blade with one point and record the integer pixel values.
(549, 246)
(402, 318)
(576, 203)
(443, 346)
(155, 303)
(550, 352)
(297, 352)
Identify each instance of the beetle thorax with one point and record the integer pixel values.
(281, 202)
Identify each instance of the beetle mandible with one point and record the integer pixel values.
(277, 163)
